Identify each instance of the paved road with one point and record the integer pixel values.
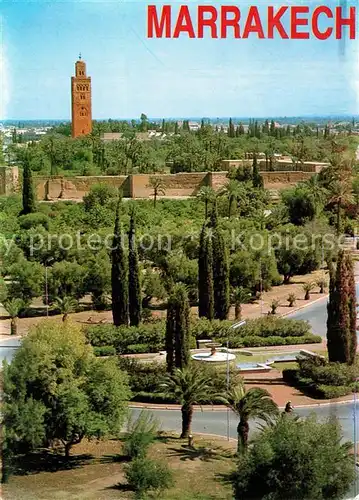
(215, 422)
(316, 314)
(8, 348)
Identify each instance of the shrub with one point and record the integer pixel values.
(143, 474)
(141, 434)
(256, 341)
(331, 392)
(324, 373)
(150, 337)
(127, 339)
(106, 350)
(329, 373)
(271, 326)
(143, 377)
(34, 220)
(203, 328)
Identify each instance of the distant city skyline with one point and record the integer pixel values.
(40, 42)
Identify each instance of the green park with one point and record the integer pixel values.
(117, 310)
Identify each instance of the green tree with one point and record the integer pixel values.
(300, 204)
(233, 191)
(307, 288)
(28, 194)
(257, 179)
(65, 305)
(14, 308)
(177, 329)
(158, 188)
(231, 130)
(220, 273)
(66, 279)
(248, 404)
(340, 191)
(99, 195)
(240, 296)
(98, 278)
(296, 459)
(134, 284)
(56, 390)
(189, 386)
(341, 322)
(119, 274)
(206, 195)
(26, 280)
(205, 275)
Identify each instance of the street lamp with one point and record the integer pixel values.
(233, 327)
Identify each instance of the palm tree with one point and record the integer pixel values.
(322, 283)
(317, 193)
(158, 187)
(189, 386)
(233, 191)
(340, 193)
(291, 299)
(307, 288)
(14, 307)
(207, 195)
(274, 306)
(340, 184)
(65, 305)
(240, 296)
(254, 403)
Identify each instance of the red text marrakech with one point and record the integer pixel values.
(229, 21)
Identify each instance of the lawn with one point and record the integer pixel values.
(96, 472)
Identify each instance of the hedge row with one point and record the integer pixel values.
(150, 337)
(255, 341)
(313, 389)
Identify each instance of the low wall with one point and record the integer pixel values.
(76, 187)
(281, 180)
(279, 165)
(175, 185)
(138, 185)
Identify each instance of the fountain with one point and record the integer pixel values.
(215, 356)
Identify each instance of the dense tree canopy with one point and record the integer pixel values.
(305, 460)
(56, 390)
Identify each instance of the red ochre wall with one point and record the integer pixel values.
(138, 185)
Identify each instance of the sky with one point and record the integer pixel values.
(131, 74)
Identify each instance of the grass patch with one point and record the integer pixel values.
(198, 472)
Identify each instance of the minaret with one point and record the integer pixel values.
(81, 100)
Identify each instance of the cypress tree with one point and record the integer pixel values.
(119, 275)
(177, 329)
(134, 285)
(341, 323)
(231, 129)
(205, 275)
(352, 309)
(272, 128)
(170, 332)
(220, 271)
(256, 176)
(28, 195)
